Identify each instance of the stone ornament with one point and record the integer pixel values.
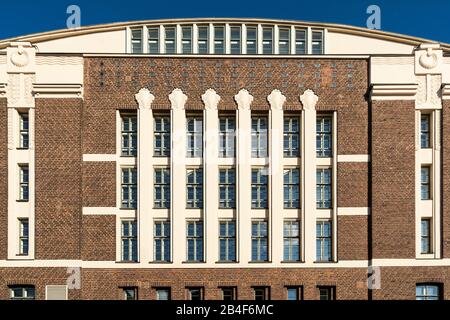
(309, 100)
(243, 99)
(428, 59)
(276, 99)
(144, 98)
(178, 99)
(20, 57)
(211, 99)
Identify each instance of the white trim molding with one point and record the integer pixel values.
(353, 158)
(99, 157)
(353, 211)
(446, 91)
(380, 91)
(56, 90)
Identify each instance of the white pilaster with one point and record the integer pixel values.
(178, 40)
(276, 38)
(162, 39)
(227, 39)
(334, 185)
(260, 39)
(244, 39)
(145, 39)
(211, 38)
(309, 40)
(195, 38)
(292, 40)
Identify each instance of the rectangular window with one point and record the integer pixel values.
(252, 40)
(227, 240)
(425, 184)
(163, 294)
(129, 240)
(162, 136)
(129, 135)
(300, 41)
(323, 188)
(259, 241)
(162, 188)
(24, 131)
(284, 43)
(259, 137)
(24, 182)
(129, 188)
(203, 40)
(22, 292)
(291, 188)
(194, 241)
(194, 189)
(235, 41)
(291, 136)
(327, 293)
(324, 137)
(261, 293)
(195, 293)
(194, 137)
(428, 292)
(229, 293)
(267, 40)
(291, 240)
(170, 39)
(153, 40)
(130, 293)
(293, 293)
(219, 39)
(227, 138)
(24, 237)
(323, 241)
(317, 42)
(186, 40)
(162, 241)
(259, 188)
(136, 41)
(425, 131)
(425, 236)
(227, 188)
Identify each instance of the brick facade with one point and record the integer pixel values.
(3, 179)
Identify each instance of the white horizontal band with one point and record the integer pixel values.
(353, 211)
(99, 157)
(353, 158)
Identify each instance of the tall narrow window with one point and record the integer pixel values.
(24, 237)
(259, 137)
(284, 43)
(22, 292)
(24, 131)
(324, 137)
(153, 40)
(186, 40)
(129, 188)
(227, 127)
(292, 188)
(194, 189)
(323, 241)
(323, 188)
(252, 40)
(170, 39)
(229, 293)
(425, 193)
(203, 40)
(227, 240)
(162, 293)
(259, 188)
(235, 41)
(425, 131)
(136, 41)
(327, 293)
(425, 236)
(291, 240)
(195, 241)
(219, 39)
(162, 241)
(24, 187)
(194, 137)
(195, 293)
(268, 40)
(162, 188)
(129, 135)
(261, 293)
(227, 188)
(259, 241)
(162, 136)
(129, 240)
(317, 42)
(300, 41)
(130, 293)
(291, 143)
(428, 291)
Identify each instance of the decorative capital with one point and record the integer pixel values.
(211, 99)
(309, 100)
(21, 57)
(428, 59)
(276, 99)
(144, 98)
(244, 99)
(178, 99)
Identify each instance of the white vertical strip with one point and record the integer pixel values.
(260, 39)
(195, 38)
(227, 38)
(417, 184)
(244, 39)
(162, 39)
(145, 39)
(292, 40)
(436, 181)
(128, 40)
(334, 187)
(211, 38)
(179, 36)
(309, 41)
(276, 38)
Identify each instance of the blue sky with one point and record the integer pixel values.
(423, 18)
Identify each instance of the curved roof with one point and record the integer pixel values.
(333, 27)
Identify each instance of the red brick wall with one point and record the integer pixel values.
(58, 178)
(353, 184)
(446, 178)
(393, 186)
(99, 238)
(352, 238)
(99, 184)
(3, 179)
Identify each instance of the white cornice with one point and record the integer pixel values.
(3, 89)
(446, 91)
(51, 90)
(393, 91)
